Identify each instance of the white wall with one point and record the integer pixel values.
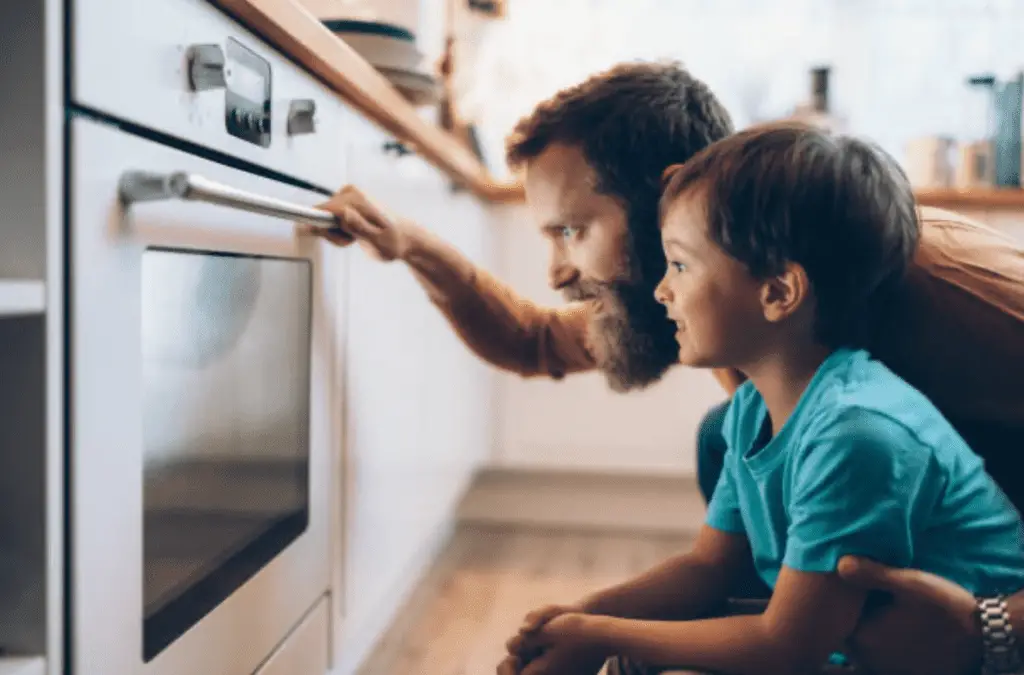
(899, 66)
(579, 423)
(899, 70)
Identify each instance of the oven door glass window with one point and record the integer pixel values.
(226, 375)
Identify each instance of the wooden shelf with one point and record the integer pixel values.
(22, 665)
(21, 298)
(990, 199)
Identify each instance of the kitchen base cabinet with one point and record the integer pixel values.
(305, 651)
(418, 403)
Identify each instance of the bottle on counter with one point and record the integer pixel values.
(817, 110)
(975, 167)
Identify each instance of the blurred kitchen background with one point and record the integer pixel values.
(938, 83)
(463, 496)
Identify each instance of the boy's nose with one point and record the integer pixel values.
(661, 293)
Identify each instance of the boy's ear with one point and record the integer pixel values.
(783, 294)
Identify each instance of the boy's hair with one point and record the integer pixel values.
(630, 122)
(788, 192)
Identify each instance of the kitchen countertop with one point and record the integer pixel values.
(298, 33)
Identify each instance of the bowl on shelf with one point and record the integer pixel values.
(382, 45)
(391, 49)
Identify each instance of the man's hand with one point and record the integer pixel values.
(929, 628)
(360, 219)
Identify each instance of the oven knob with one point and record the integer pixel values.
(302, 117)
(205, 67)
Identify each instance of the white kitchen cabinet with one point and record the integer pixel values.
(305, 651)
(31, 336)
(418, 404)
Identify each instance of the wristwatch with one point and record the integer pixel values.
(1000, 655)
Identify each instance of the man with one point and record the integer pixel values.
(592, 159)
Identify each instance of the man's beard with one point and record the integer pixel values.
(629, 333)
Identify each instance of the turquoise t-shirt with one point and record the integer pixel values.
(865, 465)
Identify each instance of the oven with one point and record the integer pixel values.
(202, 346)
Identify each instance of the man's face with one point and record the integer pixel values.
(593, 260)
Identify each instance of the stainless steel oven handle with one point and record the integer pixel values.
(145, 186)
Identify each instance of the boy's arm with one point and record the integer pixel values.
(684, 587)
(852, 489)
(808, 617)
(693, 584)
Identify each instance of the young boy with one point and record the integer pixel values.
(776, 239)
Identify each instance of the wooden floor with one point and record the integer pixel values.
(473, 600)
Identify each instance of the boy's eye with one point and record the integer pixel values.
(568, 232)
(677, 266)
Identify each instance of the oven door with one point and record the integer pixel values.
(202, 371)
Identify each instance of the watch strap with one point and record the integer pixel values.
(1000, 654)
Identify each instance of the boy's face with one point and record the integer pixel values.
(714, 301)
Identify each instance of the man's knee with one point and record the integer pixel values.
(711, 449)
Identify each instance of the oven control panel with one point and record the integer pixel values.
(247, 94)
(246, 79)
(199, 76)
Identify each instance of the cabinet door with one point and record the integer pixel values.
(387, 481)
(418, 416)
(305, 651)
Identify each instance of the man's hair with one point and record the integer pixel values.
(791, 193)
(630, 122)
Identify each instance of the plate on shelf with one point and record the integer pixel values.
(417, 87)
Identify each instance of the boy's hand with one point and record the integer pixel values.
(556, 661)
(566, 630)
(929, 628)
(542, 615)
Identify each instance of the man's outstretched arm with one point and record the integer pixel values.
(500, 326)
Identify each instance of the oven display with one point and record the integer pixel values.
(226, 398)
(247, 95)
(247, 83)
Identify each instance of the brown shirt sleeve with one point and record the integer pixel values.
(500, 326)
(514, 333)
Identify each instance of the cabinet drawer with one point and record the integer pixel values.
(305, 651)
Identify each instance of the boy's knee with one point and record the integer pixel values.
(711, 449)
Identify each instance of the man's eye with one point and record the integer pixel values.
(569, 232)
(678, 266)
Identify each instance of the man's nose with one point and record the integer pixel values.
(562, 273)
